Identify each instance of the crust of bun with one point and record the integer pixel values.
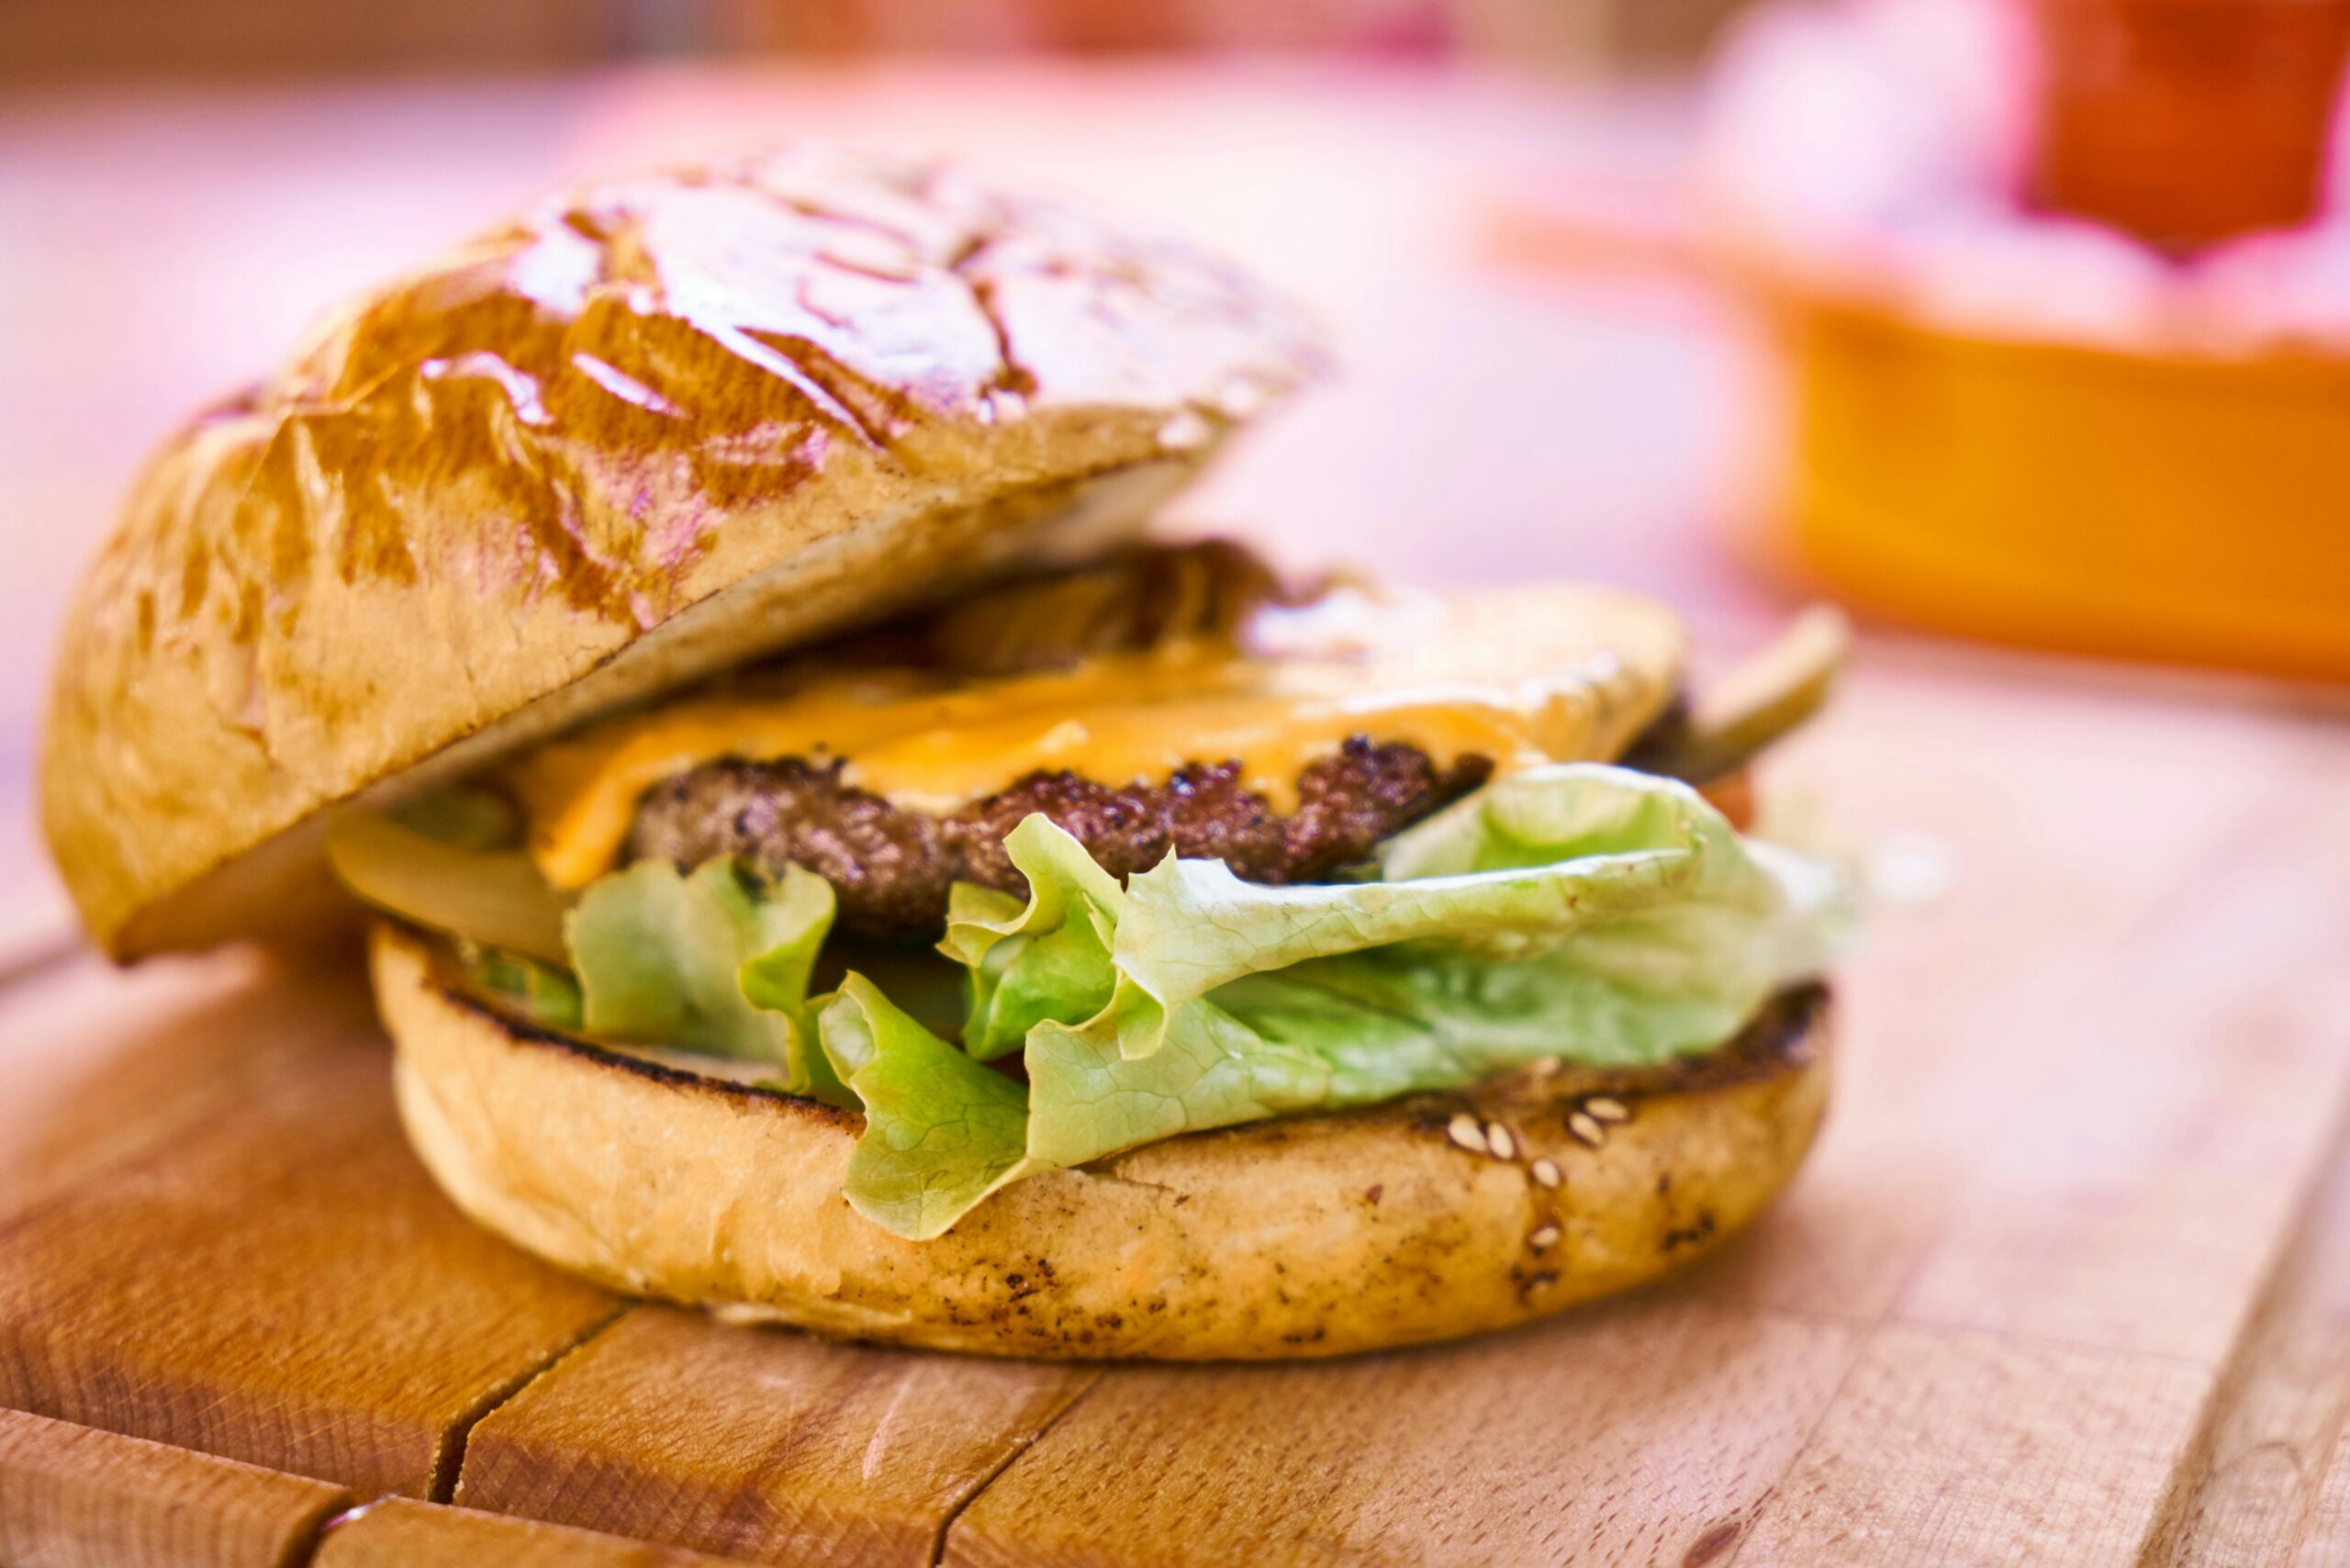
(645, 430)
(1310, 1236)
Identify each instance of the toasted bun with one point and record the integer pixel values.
(1309, 1236)
(643, 432)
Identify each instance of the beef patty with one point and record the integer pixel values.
(891, 867)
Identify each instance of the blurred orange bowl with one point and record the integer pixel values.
(2162, 507)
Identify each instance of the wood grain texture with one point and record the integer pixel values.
(2325, 1532)
(1946, 1448)
(75, 1498)
(265, 1274)
(402, 1533)
(2137, 1190)
(2145, 1143)
(767, 1446)
(1630, 1433)
(202, 1038)
(2255, 1488)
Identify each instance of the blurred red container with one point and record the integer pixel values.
(2186, 121)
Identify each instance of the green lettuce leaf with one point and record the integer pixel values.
(1041, 961)
(942, 1131)
(716, 961)
(539, 994)
(1581, 911)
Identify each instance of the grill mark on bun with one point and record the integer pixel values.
(528, 1034)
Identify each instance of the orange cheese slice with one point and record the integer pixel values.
(1520, 677)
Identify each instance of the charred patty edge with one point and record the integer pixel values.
(891, 867)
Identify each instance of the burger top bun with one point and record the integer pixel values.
(643, 432)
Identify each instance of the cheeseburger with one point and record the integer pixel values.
(826, 865)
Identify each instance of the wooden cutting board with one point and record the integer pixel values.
(2068, 1280)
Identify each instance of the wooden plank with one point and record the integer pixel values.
(201, 1038)
(762, 1445)
(1636, 1432)
(1948, 1448)
(263, 1271)
(1845, 1237)
(2071, 817)
(2252, 1488)
(399, 1532)
(2137, 1189)
(1949, 1008)
(75, 1498)
(2326, 1533)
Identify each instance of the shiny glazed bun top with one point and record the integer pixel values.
(645, 430)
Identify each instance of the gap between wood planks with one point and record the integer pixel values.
(946, 1525)
(448, 1465)
(2245, 1488)
(306, 1551)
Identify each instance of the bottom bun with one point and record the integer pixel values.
(1428, 1217)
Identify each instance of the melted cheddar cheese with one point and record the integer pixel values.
(1520, 679)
